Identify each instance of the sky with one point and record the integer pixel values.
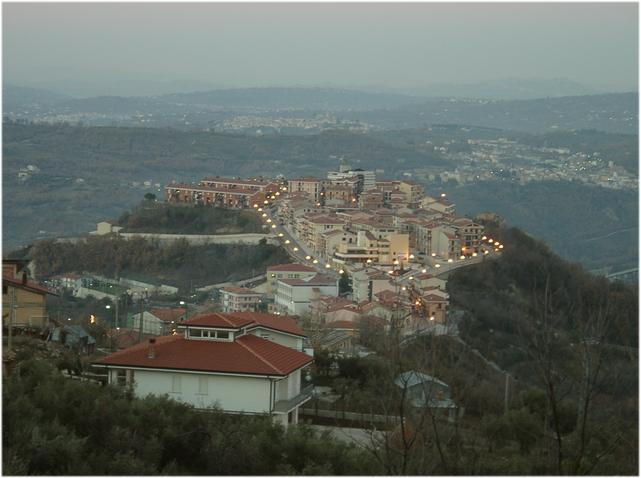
(133, 48)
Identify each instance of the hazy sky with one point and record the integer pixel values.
(111, 47)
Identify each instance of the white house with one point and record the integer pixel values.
(293, 296)
(239, 299)
(247, 363)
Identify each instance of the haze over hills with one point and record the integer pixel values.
(200, 110)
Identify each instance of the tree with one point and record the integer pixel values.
(150, 197)
(344, 284)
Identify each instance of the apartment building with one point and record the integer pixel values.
(312, 186)
(293, 296)
(239, 299)
(287, 271)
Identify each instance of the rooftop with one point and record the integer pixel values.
(248, 355)
(293, 267)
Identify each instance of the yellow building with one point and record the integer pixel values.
(25, 298)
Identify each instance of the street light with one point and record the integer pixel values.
(424, 271)
(315, 261)
(450, 260)
(437, 265)
(308, 257)
(286, 241)
(295, 249)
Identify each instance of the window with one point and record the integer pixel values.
(121, 377)
(203, 384)
(222, 335)
(195, 333)
(176, 384)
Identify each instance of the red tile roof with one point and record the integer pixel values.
(28, 285)
(167, 315)
(226, 321)
(246, 355)
(275, 322)
(294, 267)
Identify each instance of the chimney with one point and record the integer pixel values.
(152, 349)
(24, 277)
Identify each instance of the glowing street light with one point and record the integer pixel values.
(295, 249)
(327, 266)
(432, 318)
(462, 257)
(269, 219)
(255, 205)
(280, 234)
(403, 288)
(308, 257)
(424, 271)
(395, 262)
(315, 261)
(484, 238)
(341, 271)
(490, 241)
(264, 214)
(433, 254)
(265, 201)
(474, 254)
(437, 265)
(443, 195)
(485, 252)
(273, 226)
(450, 260)
(501, 246)
(260, 209)
(286, 241)
(411, 256)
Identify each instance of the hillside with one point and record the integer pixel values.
(177, 263)
(595, 226)
(88, 174)
(164, 218)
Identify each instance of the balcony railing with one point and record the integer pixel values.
(284, 406)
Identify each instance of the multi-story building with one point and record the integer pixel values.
(440, 205)
(414, 192)
(368, 282)
(207, 195)
(293, 296)
(368, 247)
(287, 271)
(245, 363)
(312, 186)
(23, 301)
(469, 233)
(240, 299)
(311, 227)
(371, 199)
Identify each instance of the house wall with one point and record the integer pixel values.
(280, 339)
(30, 310)
(230, 393)
(150, 324)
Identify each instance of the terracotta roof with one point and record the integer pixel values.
(294, 267)
(306, 180)
(236, 181)
(269, 321)
(324, 220)
(193, 187)
(226, 321)
(318, 279)
(424, 276)
(167, 315)
(29, 285)
(246, 355)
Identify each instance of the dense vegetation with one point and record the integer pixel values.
(167, 218)
(595, 226)
(56, 426)
(174, 263)
(571, 335)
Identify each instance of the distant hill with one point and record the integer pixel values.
(507, 89)
(324, 99)
(615, 113)
(18, 97)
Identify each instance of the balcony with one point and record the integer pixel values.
(284, 406)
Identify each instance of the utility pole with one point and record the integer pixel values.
(507, 390)
(11, 317)
(141, 317)
(117, 302)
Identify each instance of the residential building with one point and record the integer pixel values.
(312, 186)
(413, 191)
(239, 299)
(23, 297)
(245, 363)
(294, 296)
(469, 233)
(367, 282)
(287, 271)
(107, 227)
(207, 195)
